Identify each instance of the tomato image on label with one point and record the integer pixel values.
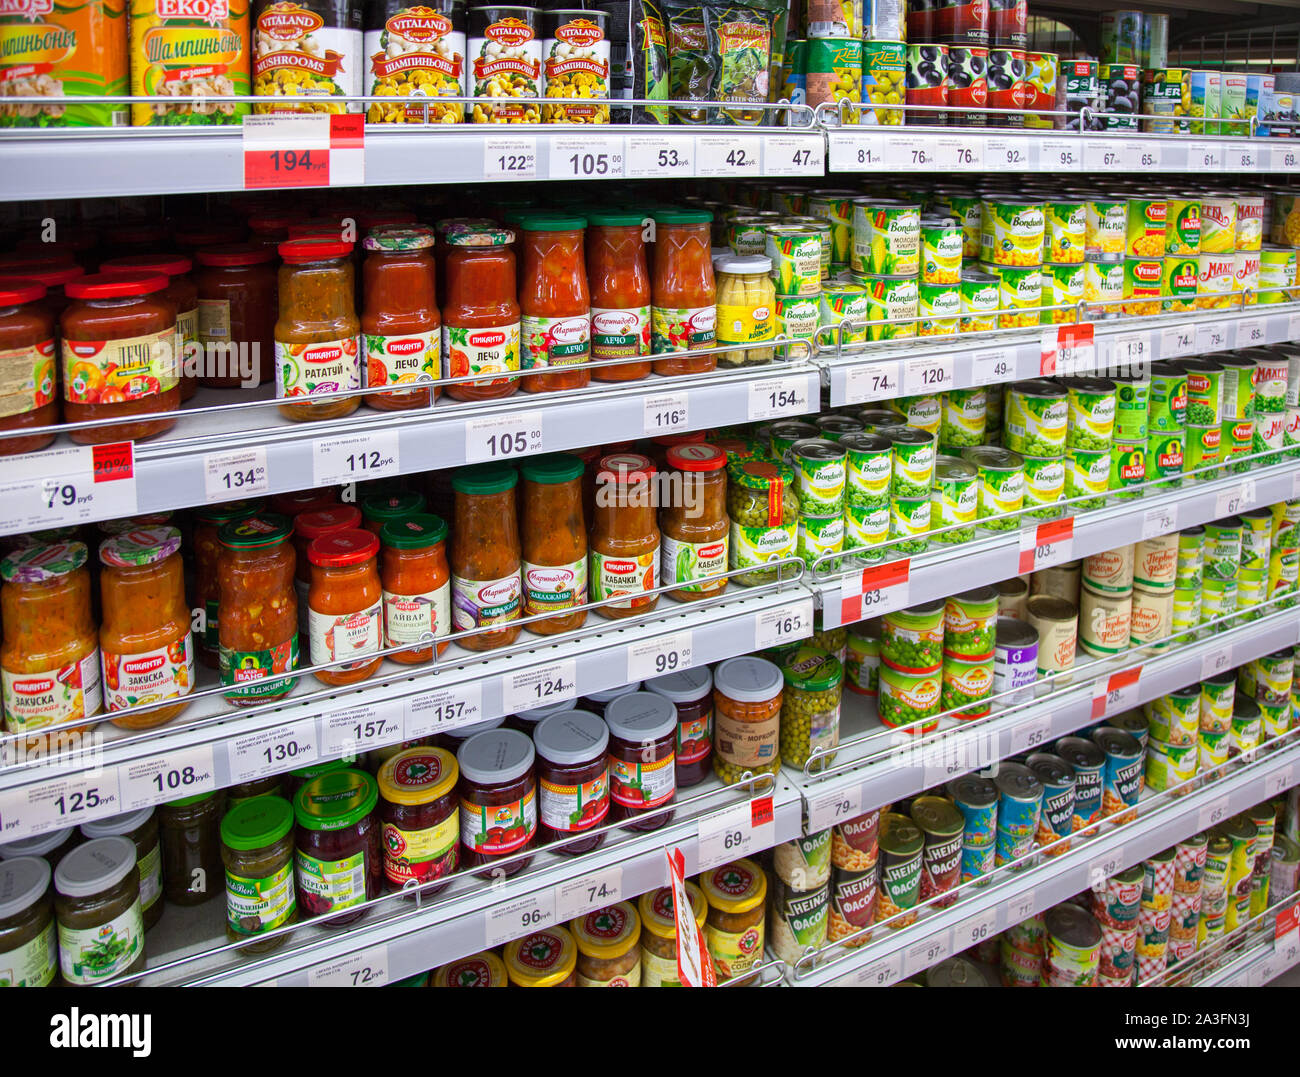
(330, 366)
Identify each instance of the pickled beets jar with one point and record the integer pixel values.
(573, 778)
(691, 694)
(642, 772)
(338, 862)
(421, 837)
(498, 799)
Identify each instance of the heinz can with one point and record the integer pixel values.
(1089, 764)
(1056, 820)
(1121, 780)
(942, 825)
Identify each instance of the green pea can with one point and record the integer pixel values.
(911, 640)
(905, 698)
(921, 412)
(866, 527)
(1204, 391)
(1256, 534)
(1277, 274)
(893, 302)
(819, 475)
(970, 624)
(913, 457)
(796, 255)
(1187, 612)
(1037, 418)
(939, 308)
(783, 435)
(1178, 286)
(980, 301)
(909, 521)
(1202, 451)
(1167, 398)
(1165, 451)
(1238, 387)
(1191, 558)
(1183, 226)
(798, 316)
(1222, 549)
(1044, 485)
(1090, 420)
(1065, 232)
(1001, 486)
(844, 301)
(954, 499)
(818, 536)
(1131, 397)
(836, 208)
(862, 658)
(964, 418)
(886, 237)
(1236, 438)
(1087, 475)
(967, 684)
(941, 250)
(1128, 468)
(868, 469)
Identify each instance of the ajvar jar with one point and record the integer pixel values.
(694, 522)
(379, 509)
(307, 528)
(420, 816)
(554, 543)
(181, 291)
(399, 320)
(498, 799)
(49, 663)
(338, 858)
(555, 304)
(207, 555)
(416, 586)
(345, 606)
(238, 306)
(746, 718)
(119, 355)
(691, 693)
(546, 958)
(317, 333)
(257, 847)
(609, 950)
(486, 588)
(619, 281)
(258, 633)
(659, 934)
(733, 930)
(642, 771)
(685, 315)
(190, 831)
(572, 779)
(144, 634)
(480, 312)
(624, 536)
(28, 379)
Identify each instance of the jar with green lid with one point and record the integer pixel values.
(29, 953)
(764, 511)
(257, 845)
(296, 779)
(810, 705)
(339, 861)
(97, 906)
(380, 509)
(142, 828)
(189, 831)
(268, 786)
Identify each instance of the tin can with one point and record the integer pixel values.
(852, 904)
(1109, 572)
(1218, 695)
(1020, 800)
(855, 843)
(1042, 71)
(1202, 451)
(1044, 486)
(1245, 276)
(1132, 397)
(968, 84)
(868, 469)
(1065, 235)
(1089, 764)
(1269, 679)
(1175, 718)
(901, 844)
(1218, 224)
(798, 316)
(1167, 398)
(966, 208)
(1205, 391)
(1061, 285)
(1155, 563)
(746, 233)
(1021, 950)
(844, 302)
(884, 82)
(1002, 485)
(909, 524)
(1277, 274)
(795, 253)
(1284, 868)
(833, 19)
(976, 798)
(1037, 418)
(1123, 774)
(1056, 820)
(1128, 468)
(895, 302)
(1058, 581)
(1182, 226)
(1222, 548)
(1121, 36)
(1165, 453)
(1015, 662)
(1187, 614)
(1242, 833)
(1143, 280)
(980, 300)
(1247, 726)
(954, 499)
(1249, 229)
(1013, 598)
(964, 418)
(942, 825)
(1091, 408)
(862, 654)
(1104, 622)
(1151, 618)
(1105, 225)
(1144, 234)
(1115, 903)
(1087, 477)
(1078, 87)
(1073, 948)
(819, 473)
(1206, 91)
(1011, 232)
(1103, 287)
(1121, 86)
(913, 463)
(1218, 601)
(886, 237)
(927, 83)
(1256, 531)
(1167, 94)
(793, 72)
(836, 207)
(1191, 559)
(941, 247)
(833, 73)
(939, 308)
(1008, 88)
(1057, 623)
(517, 64)
(1215, 276)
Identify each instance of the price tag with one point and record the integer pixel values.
(873, 381)
(1231, 502)
(665, 413)
(775, 397)
(992, 366)
(1116, 693)
(1143, 156)
(1262, 971)
(1278, 782)
(1130, 349)
(650, 658)
(857, 151)
(1285, 159)
(241, 473)
(304, 150)
(1055, 154)
(921, 955)
(838, 806)
(357, 729)
(369, 968)
(510, 158)
(499, 437)
(1240, 157)
(1220, 661)
(59, 804)
(1046, 545)
(1287, 922)
(355, 458)
(1103, 867)
(883, 588)
(1068, 349)
(1103, 154)
(726, 155)
(1019, 907)
(1177, 340)
(1251, 333)
(975, 930)
(655, 156)
(1293, 327)
(957, 154)
(1031, 735)
(526, 689)
(1286, 950)
(1213, 814)
(1159, 521)
(174, 774)
(793, 155)
(1006, 153)
(68, 486)
(272, 751)
(514, 919)
(1295, 485)
(1206, 159)
(587, 156)
(443, 709)
(578, 897)
(783, 624)
(734, 832)
(1213, 337)
(931, 374)
(908, 154)
(882, 973)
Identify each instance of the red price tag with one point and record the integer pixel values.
(1287, 920)
(301, 150)
(884, 587)
(1068, 349)
(1115, 694)
(116, 461)
(1046, 545)
(761, 811)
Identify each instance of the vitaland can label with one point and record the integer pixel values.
(505, 63)
(418, 53)
(296, 55)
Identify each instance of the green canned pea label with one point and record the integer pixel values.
(1036, 424)
(865, 527)
(964, 417)
(1127, 467)
(1131, 410)
(1087, 475)
(752, 546)
(954, 502)
(1165, 453)
(1002, 491)
(1044, 481)
(1202, 449)
(1091, 420)
(1204, 397)
(1167, 402)
(868, 477)
(913, 470)
(820, 535)
(909, 519)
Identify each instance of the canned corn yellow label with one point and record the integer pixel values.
(1011, 233)
(796, 255)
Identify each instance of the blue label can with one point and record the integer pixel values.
(1088, 763)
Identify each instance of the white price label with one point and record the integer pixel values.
(1241, 158)
(598, 890)
(1205, 159)
(1103, 154)
(355, 458)
(174, 774)
(659, 656)
(1007, 154)
(665, 413)
(1238, 499)
(59, 804)
(587, 156)
(827, 809)
(241, 473)
(369, 968)
(500, 437)
(1177, 340)
(510, 158)
(1213, 814)
(1214, 337)
(1278, 782)
(357, 729)
(882, 588)
(514, 919)
(959, 154)
(1130, 349)
(905, 154)
(1218, 661)
(527, 689)
(1287, 949)
(857, 151)
(793, 155)
(734, 832)
(1159, 521)
(773, 398)
(1031, 735)
(783, 624)
(977, 929)
(272, 751)
(921, 955)
(726, 155)
(1057, 154)
(992, 366)
(68, 486)
(1263, 970)
(1019, 907)
(660, 156)
(931, 374)
(882, 973)
(1285, 159)
(443, 709)
(1251, 333)
(1103, 867)
(1143, 157)
(1293, 327)
(873, 381)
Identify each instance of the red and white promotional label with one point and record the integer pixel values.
(67, 486)
(301, 150)
(694, 969)
(1068, 349)
(1116, 693)
(879, 589)
(1046, 545)
(1288, 920)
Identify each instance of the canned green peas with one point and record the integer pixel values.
(954, 500)
(810, 705)
(1001, 486)
(1036, 419)
(1091, 416)
(914, 453)
(964, 418)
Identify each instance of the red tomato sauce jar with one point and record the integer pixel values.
(498, 799)
(572, 778)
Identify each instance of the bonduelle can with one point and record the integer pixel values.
(1105, 225)
(1001, 487)
(798, 316)
(1044, 485)
(1011, 232)
(1091, 407)
(939, 308)
(843, 301)
(1087, 477)
(965, 413)
(909, 523)
(836, 207)
(894, 302)
(823, 230)
(980, 300)
(866, 528)
(941, 250)
(1103, 285)
(1061, 285)
(819, 536)
(868, 469)
(954, 499)
(886, 237)
(1037, 418)
(796, 254)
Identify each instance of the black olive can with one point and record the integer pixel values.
(1009, 24)
(968, 84)
(927, 83)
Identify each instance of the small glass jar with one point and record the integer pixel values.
(642, 774)
(477, 970)
(498, 799)
(190, 832)
(452, 739)
(29, 951)
(307, 527)
(237, 297)
(29, 380)
(546, 958)
(142, 828)
(746, 718)
(51, 847)
(207, 555)
(733, 931)
(810, 706)
(345, 606)
(338, 862)
(609, 950)
(746, 308)
(659, 934)
(257, 844)
(416, 585)
(270, 786)
(379, 509)
(691, 694)
(296, 779)
(97, 905)
(596, 702)
(572, 779)
(417, 805)
(181, 291)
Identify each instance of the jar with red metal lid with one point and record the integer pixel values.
(238, 297)
(694, 523)
(28, 379)
(193, 235)
(624, 540)
(300, 501)
(498, 799)
(181, 291)
(690, 691)
(642, 771)
(269, 229)
(54, 276)
(418, 808)
(400, 322)
(307, 527)
(572, 779)
(119, 355)
(345, 605)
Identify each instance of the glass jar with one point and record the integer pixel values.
(270, 786)
(498, 799)
(180, 290)
(144, 637)
(259, 632)
(119, 355)
(417, 805)
(317, 331)
(620, 294)
(642, 771)
(29, 952)
(296, 779)
(547, 958)
(452, 739)
(28, 377)
(345, 606)
(554, 302)
(295, 504)
(338, 861)
(51, 846)
(416, 585)
(746, 308)
(572, 779)
(257, 845)
(609, 951)
(624, 537)
(238, 297)
(659, 934)
(480, 312)
(694, 523)
(307, 527)
(763, 508)
(690, 691)
(733, 930)
(190, 831)
(207, 555)
(97, 906)
(485, 556)
(526, 722)
(810, 705)
(191, 235)
(477, 970)
(55, 278)
(380, 509)
(142, 828)
(554, 543)
(269, 228)
(746, 718)
(399, 319)
(684, 317)
(596, 702)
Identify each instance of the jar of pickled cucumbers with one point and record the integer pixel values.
(746, 307)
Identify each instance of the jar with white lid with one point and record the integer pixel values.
(572, 779)
(52, 847)
(746, 307)
(746, 718)
(28, 951)
(97, 906)
(142, 828)
(596, 702)
(452, 739)
(642, 758)
(691, 692)
(526, 722)
(498, 799)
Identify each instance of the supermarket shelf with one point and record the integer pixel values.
(213, 745)
(1014, 895)
(1259, 964)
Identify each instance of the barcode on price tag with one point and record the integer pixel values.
(237, 474)
(992, 366)
(726, 155)
(67, 486)
(587, 156)
(1214, 336)
(1048, 544)
(873, 381)
(271, 751)
(369, 968)
(921, 955)
(1031, 735)
(929, 374)
(793, 155)
(358, 729)
(837, 806)
(184, 773)
(783, 624)
(355, 458)
(598, 890)
(774, 397)
(523, 915)
(1067, 349)
(977, 929)
(1213, 814)
(527, 689)
(882, 973)
(664, 413)
(1219, 661)
(659, 656)
(660, 156)
(734, 832)
(503, 436)
(1177, 340)
(443, 709)
(1116, 693)
(510, 158)
(1159, 521)
(304, 150)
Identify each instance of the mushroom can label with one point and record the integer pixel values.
(576, 64)
(418, 53)
(506, 68)
(296, 55)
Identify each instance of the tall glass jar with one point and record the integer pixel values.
(238, 305)
(685, 315)
(624, 536)
(190, 831)
(339, 860)
(257, 847)
(554, 543)
(28, 377)
(694, 523)
(555, 304)
(399, 321)
(417, 585)
(207, 554)
(307, 528)
(380, 509)
(480, 312)
(619, 282)
(181, 291)
(345, 606)
(317, 333)
(485, 556)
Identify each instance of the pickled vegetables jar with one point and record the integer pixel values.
(554, 543)
(485, 557)
(694, 524)
(28, 379)
(620, 294)
(207, 555)
(684, 316)
(555, 304)
(746, 308)
(417, 585)
(400, 321)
